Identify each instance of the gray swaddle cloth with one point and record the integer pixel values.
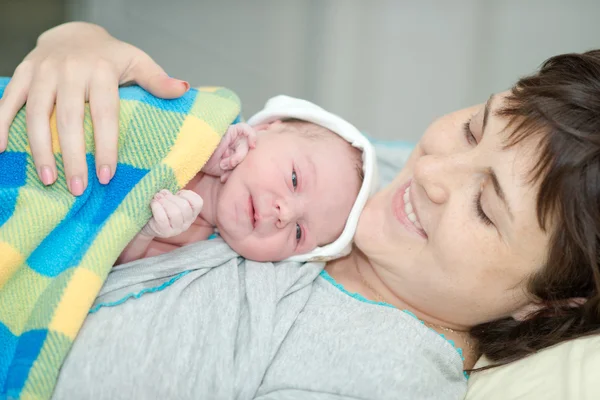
(211, 325)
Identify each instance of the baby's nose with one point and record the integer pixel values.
(287, 212)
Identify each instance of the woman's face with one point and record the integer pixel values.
(455, 235)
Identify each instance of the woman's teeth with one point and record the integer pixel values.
(408, 208)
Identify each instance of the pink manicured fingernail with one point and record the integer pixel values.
(46, 175)
(104, 174)
(184, 83)
(76, 186)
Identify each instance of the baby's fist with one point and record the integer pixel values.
(172, 214)
(240, 138)
(232, 149)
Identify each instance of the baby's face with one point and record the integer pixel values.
(289, 195)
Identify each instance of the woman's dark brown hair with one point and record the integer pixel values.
(560, 104)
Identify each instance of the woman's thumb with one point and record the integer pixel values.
(149, 75)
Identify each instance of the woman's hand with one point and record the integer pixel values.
(71, 64)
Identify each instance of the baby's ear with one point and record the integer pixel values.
(266, 125)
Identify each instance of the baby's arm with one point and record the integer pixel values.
(232, 149)
(172, 214)
(136, 249)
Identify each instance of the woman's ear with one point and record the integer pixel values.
(524, 312)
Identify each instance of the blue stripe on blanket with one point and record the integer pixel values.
(78, 230)
(30, 344)
(181, 105)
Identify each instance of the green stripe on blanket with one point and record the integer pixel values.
(56, 250)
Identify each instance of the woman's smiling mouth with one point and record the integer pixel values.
(404, 210)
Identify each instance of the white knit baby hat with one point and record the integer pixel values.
(285, 107)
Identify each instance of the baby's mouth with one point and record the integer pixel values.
(252, 212)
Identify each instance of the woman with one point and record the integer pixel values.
(489, 236)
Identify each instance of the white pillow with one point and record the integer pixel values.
(568, 371)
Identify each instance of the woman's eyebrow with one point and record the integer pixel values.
(486, 113)
(500, 192)
(491, 172)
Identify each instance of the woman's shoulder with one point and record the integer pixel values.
(371, 350)
(400, 328)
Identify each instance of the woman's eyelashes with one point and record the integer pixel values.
(471, 139)
(479, 209)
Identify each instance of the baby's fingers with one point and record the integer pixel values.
(225, 176)
(252, 141)
(247, 131)
(237, 158)
(194, 200)
(159, 224)
(159, 214)
(173, 208)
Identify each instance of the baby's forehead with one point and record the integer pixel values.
(339, 180)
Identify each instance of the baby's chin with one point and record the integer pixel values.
(252, 250)
(258, 256)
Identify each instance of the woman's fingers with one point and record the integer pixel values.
(72, 63)
(40, 103)
(15, 96)
(149, 75)
(70, 103)
(104, 109)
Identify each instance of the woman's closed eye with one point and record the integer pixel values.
(471, 139)
(479, 209)
(298, 233)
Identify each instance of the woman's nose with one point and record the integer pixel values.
(440, 174)
(287, 211)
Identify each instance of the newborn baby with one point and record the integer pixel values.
(281, 187)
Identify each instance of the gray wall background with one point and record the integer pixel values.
(388, 66)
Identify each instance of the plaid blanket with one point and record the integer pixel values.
(56, 250)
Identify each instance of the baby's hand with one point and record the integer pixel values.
(232, 149)
(172, 214)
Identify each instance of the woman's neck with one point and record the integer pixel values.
(208, 187)
(358, 275)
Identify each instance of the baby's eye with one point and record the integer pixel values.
(294, 179)
(298, 233)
